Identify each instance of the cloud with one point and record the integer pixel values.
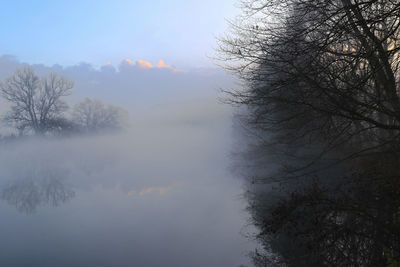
(144, 64)
(160, 65)
(126, 61)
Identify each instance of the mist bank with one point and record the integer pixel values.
(133, 85)
(159, 194)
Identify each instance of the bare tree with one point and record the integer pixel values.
(94, 116)
(321, 84)
(36, 103)
(334, 60)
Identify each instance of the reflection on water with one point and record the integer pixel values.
(26, 194)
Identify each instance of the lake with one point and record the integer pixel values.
(159, 194)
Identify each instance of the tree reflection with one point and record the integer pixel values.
(30, 192)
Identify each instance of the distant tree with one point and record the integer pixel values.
(92, 115)
(36, 103)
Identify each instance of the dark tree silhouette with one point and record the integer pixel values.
(321, 82)
(36, 103)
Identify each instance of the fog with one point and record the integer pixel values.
(158, 193)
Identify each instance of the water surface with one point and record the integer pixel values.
(159, 194)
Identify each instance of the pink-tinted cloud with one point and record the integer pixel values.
(128, 61)
(160, 65)
(144, 64)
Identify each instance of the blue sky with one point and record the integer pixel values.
(182, 33)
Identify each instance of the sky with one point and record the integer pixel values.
(67, 32)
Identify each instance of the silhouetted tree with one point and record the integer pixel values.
(36, 103)
(321, 84)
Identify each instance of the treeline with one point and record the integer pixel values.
(321, 86)
(38, 107)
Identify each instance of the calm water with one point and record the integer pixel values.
(159, 194)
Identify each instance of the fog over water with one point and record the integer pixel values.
(159, 193)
